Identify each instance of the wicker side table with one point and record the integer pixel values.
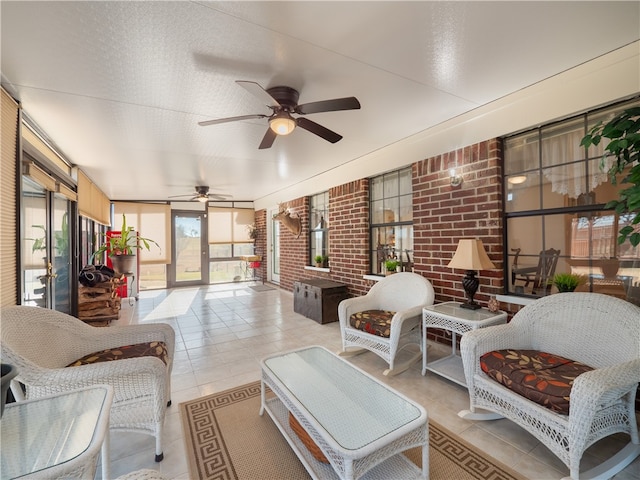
(451, 317)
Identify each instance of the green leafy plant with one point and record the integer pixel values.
(318, 259)
(325, 260)
(567, 282)
(252, 230)
(623, 131)
(61, 238)
(123, 244)
(41, 242)
(391, 265)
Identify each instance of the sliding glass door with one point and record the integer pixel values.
(46, 248)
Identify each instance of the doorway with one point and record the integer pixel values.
(190, 264)
(273, 246)
(46, 248)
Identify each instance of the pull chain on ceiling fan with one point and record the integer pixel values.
(283, 101)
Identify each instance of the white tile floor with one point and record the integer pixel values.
(223, 331)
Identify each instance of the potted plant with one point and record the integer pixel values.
(623, 131)
(325, 261)
(253, 232)
(120, 248)
(566, 282)
(318, 260)
(390, 266)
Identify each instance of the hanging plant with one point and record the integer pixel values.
(623, 131)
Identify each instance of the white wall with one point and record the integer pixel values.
(601, 81)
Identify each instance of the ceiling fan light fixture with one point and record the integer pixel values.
(282, 123)
(203, 198)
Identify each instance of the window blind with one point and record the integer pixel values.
(150, 220)
(230, 225)
(8, 206)
(92, 203)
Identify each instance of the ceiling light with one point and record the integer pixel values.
(203, 198)
(517, 180)
(282, 123)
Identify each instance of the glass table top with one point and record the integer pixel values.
(453, 309)
(40, 433)
(354, 408)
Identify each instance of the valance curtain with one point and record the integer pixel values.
(150, 220)
(92, 203)
(570, 179)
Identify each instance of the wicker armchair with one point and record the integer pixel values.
(403, 293)
(40, 343)
(597, 330)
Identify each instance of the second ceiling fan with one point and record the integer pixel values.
(283, 101)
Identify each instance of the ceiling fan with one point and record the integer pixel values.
(202, 195)
(283, 101)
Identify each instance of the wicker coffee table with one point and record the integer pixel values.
(360, 425)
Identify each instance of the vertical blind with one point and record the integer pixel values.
(8, 206)
(150, 220)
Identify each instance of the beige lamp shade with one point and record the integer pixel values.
(471, 255)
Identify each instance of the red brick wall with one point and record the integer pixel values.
(442, 215)
(349, 235)
(261, 242)
(294, 250)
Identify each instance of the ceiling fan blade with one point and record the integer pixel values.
(178, 196)
(347, 103)
(220, 197)
(257, 91)
(231, 119)
(268, 139)
(313, 127)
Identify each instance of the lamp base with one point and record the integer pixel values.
(471, 306)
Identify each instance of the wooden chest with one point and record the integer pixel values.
(318, 299)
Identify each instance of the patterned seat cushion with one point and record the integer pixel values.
(150, 349)
(541, 377)
(375, 322)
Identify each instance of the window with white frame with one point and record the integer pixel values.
(391, 218)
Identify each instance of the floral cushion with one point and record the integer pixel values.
(150, 349)
(541, 377)
(375, 322)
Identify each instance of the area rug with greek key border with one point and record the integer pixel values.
(227, 439)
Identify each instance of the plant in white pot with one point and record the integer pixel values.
(120, 248)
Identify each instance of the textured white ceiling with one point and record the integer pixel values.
(119, 87)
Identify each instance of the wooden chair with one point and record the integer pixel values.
(539, 276)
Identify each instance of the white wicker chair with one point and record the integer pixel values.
(404, 293)
(597, 330)
(41, 342)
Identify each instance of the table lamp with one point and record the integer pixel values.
(471, 256)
